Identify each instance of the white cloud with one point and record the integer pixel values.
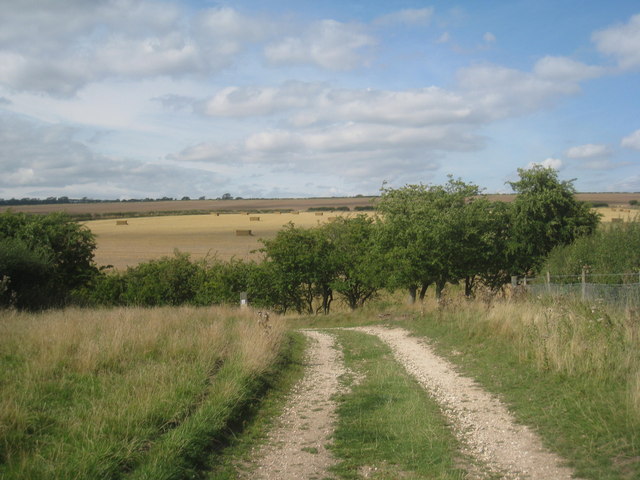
(317, 103)
(489, 38)
(327, 43)
(444, 38)
(554, 163)
(47, 160)
(410, 16)
(58, 48)
(254, 101)
(588, 150)
(499, 92)
(632, 140)
(621, 42)
(563, 69)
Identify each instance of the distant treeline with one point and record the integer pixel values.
(67, 200)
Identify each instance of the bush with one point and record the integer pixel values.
(222, 282)
(46, 257)
(167, 281)
(633, 202)
(612, 249)
(25, 275)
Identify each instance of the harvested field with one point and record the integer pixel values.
(148, 238)
(624, 214)
(262, 205)
(239, 206)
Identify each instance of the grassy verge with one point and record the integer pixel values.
(224, 464)
(568, 369)
(125, 393)
(388, 427)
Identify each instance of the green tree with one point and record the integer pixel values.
(302, 260)
(423, 234)
(357, 263)
(545, 214)
(67, 246)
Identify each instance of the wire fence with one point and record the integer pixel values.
(622, 289)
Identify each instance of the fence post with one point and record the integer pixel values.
(243, 300)
(584, 283)
(548, 282)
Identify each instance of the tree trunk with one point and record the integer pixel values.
(439, 288)
(412, 294)
(423, 291)
(468, 286)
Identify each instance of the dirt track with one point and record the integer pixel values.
(297, 446)
(488, 432)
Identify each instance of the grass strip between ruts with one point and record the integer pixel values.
(388, 427)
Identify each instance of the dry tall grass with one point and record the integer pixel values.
(570, 337)
(93, 393)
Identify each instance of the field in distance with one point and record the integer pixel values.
(146, 238)
(254, 205)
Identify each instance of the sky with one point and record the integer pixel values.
(127, 99)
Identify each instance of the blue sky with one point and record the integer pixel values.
(129, 99)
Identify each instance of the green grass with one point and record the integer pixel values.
(253, 427)
(387, 425)
(578, 403)
(127, 393)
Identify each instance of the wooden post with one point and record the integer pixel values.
(584, 283)
(243, 300)
(548, 282)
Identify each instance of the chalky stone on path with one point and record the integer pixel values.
(481, 421)
(296, 448)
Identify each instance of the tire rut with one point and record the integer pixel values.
(296, 447)
(487, 430)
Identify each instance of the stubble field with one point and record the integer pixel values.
(147, 238)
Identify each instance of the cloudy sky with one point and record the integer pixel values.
(127, 98)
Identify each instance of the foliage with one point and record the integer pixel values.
(302, 261)
(359, 267)
(441, 233)
(26, 275)
(611, 249)
(221, 283)
(545, 215)
(56, 249)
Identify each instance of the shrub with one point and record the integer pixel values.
(167, 281)
(48, 256)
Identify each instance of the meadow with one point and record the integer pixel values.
(136, 392)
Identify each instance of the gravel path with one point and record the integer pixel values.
(487, 430)
(296, 447)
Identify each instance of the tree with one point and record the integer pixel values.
(357, 263)
(301, 258)
(423, 234)
(545, 214)
(66, 246)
